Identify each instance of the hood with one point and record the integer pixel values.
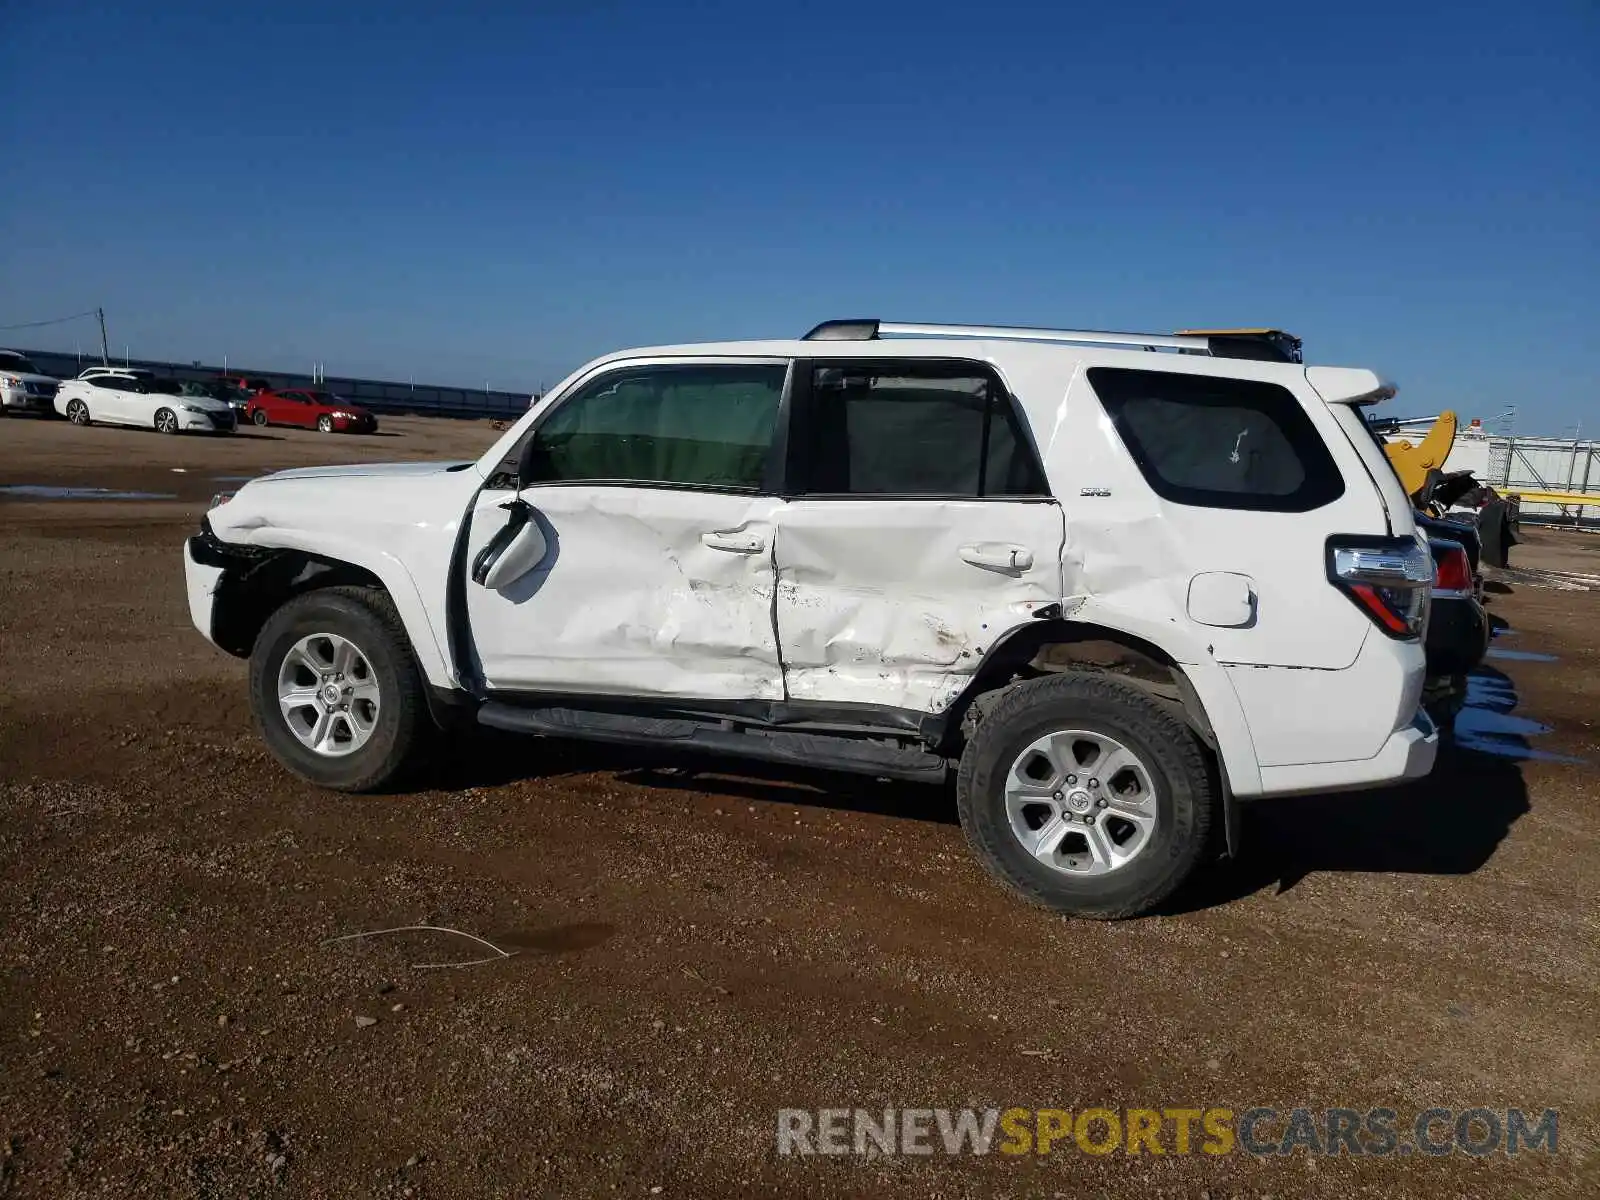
(29, 376)
(399, 470)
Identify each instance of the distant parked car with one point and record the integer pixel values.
(235, 398)
(1457, 635)
(120, 372)
(310, 410)
(148, 402)
(249, 384)
(23, 387)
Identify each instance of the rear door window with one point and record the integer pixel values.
(1219, 443)
(908, 429)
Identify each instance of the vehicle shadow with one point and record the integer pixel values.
(489, 758)
(1450, 823)
(1447, 824)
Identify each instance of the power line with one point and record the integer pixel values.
(52, 321)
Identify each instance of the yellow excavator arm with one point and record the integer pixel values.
(1413, 462)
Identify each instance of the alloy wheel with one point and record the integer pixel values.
(329, 694)
(1081, 802)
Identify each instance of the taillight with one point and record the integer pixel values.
(1452, 569)
(1387, 578)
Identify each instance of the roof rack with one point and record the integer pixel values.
(1269, 345)
(869, 330)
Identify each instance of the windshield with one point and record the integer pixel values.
(15, 362)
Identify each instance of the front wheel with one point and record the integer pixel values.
(166, 421)
(336, 691)
(324, 424)
(259, 417)
(78, 412)
(1083, 794)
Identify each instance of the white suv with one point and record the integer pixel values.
(23, 387)
(1116, 582)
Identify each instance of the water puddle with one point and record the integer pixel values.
(1488, 724)
(1561, 581)
(1520, 655)
(40, 491)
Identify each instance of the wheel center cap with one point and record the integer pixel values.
(1079, 801)
(331, 694)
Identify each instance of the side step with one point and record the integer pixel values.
(856, 755)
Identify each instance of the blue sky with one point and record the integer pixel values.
(494, 193)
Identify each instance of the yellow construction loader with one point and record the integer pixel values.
(1415, 462)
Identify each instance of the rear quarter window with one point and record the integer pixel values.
(1219, 443)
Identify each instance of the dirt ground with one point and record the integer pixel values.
(694, 951)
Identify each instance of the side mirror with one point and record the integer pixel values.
(512, 552)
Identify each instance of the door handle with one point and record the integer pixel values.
(997, 556)
(734, 542)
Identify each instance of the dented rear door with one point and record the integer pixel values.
(920, 531)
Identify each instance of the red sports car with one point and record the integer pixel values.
(310, 410)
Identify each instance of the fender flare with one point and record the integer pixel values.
(1206, 693)
(389, 570)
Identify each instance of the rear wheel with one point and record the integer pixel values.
(166, 421)
(324, 424)
(77, 412)
(259, 417)
(1082, 794)
(336, 691)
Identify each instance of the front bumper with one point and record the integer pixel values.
(207, 422)
(355, 424)
(16, 400)
(1408, 754)
(200, 582)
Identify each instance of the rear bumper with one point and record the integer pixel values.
(1458, 635)
(1408, 754)
(1319, 730)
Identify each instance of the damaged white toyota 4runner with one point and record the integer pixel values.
(1115, 582)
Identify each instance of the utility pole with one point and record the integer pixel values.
(105, 354)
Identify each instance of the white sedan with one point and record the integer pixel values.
(148, 402)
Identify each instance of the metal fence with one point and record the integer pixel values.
(381, 396)
(1548, 464)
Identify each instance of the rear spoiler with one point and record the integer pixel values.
(1350, 385)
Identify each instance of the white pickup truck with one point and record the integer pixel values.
(1114, 583)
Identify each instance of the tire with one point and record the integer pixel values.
(399, 728)
(1163, 850)
(324, 424)
(259, 417)
(78, 413)
(166, 421)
